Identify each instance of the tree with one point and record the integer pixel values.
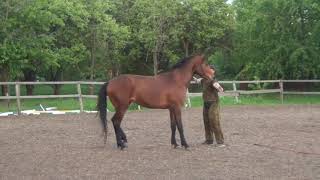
(11, 51)
(56, 39)
(105, 38)
(203, 24)
(154, 25)
(275, 39)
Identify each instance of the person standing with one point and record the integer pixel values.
(211, 110)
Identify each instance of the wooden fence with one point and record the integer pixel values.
(234, 92)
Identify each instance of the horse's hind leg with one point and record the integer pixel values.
(116, 121)
(173, 128)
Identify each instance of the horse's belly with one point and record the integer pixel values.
(152, 100)
(159, 100)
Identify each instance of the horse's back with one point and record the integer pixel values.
(129, 81)
(125, 86)
(149, 91)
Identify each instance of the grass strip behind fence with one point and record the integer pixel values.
(90, 104)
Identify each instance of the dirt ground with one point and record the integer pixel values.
(265, 142)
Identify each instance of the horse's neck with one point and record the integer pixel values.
(183, 76)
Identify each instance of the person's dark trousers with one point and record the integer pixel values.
(211, 118)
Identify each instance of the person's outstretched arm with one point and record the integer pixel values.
(217, 86)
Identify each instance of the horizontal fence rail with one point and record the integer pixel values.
(233, 93)
(310, 80)
(40, 96)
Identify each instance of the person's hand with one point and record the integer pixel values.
(218, 86)
(197, 80)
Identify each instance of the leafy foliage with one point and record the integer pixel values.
(275, 39)
(99, 39)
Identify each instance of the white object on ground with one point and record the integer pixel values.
(51, 108)
(35, 112)
(91, 111)
(58, 112)
(42, 108)
(32, 111)
(71, 111)
(6, 113)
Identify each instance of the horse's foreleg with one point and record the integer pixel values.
(173, 129)
(123, 135)
(177, 115)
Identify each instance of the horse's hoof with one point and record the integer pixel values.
(122, 146)
(186, 146)
(125, 145)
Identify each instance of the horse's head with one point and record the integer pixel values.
(203, 69)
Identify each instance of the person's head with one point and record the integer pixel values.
(213, 67)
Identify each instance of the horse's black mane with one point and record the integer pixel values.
(181, 62)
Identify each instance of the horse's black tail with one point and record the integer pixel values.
(102, 109)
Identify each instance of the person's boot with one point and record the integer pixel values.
(220, 145)
(208, 142)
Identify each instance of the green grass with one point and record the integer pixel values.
(269, 99)
(48, 89)
(90, 104)
(61, 104)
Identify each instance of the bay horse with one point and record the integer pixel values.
(166, 90)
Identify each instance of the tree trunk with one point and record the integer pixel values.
(244, 86)
(7, 9)
(4, 71)
(29, 75)
(115, 71)
(93, 59)
(4, 90)
(29, 89)
(186, 47)
(155, 62)
(56, 89)
(55, 75)
(302, 25)
(4, 77)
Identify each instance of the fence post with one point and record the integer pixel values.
(18, 98)
(188, 100)
(235, 90)
(80, 96)
(8, 94)
(281, 90)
